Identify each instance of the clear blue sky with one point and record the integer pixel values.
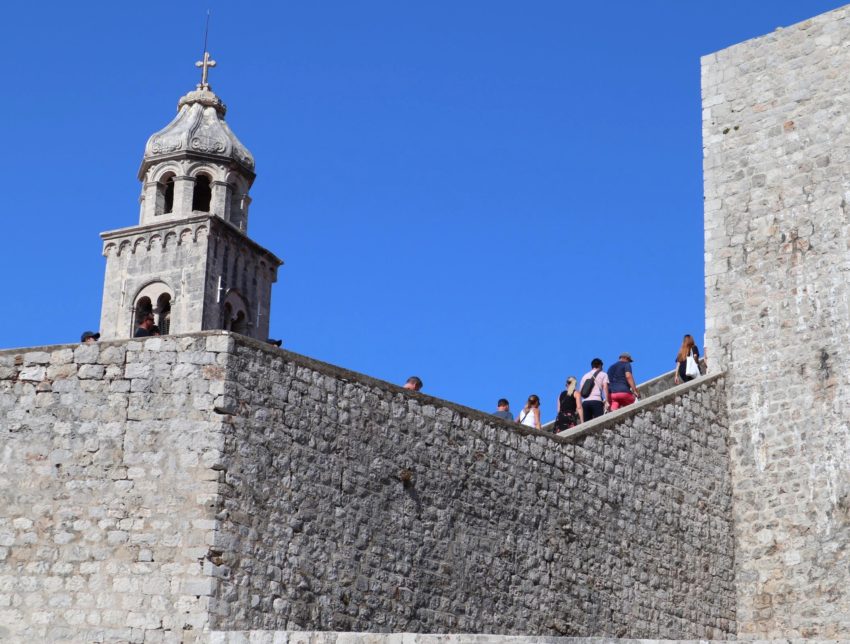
(486, 194)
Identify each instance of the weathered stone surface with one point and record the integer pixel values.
(776, 132)
(313, 497)
(490, 530)
(98, 513)
(336, 637)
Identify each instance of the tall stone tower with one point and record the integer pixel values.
(776, 130)
(189, 262)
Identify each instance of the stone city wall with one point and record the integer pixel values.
(356, 506)
(155, 489)
(776, 129)
(106, 489)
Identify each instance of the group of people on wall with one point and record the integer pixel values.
(598, 391)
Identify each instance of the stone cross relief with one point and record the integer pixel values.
(205, 65)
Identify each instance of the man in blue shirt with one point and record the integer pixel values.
(503, 409)
(621, 383)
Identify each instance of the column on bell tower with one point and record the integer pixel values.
(189, 262)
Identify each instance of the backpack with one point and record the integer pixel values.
(589, 384)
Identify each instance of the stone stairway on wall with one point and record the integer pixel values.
(649, 397)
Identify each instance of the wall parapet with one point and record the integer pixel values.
(644, 404)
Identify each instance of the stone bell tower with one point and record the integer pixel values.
(190, 262)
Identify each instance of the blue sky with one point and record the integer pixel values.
(485, 194)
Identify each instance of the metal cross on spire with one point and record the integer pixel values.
(207, 62)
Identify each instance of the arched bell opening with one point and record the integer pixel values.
(163, 313)
(202, 193)
(164, 204)
(153, 300)
(234, 313)
(141, 310)
(240, 324)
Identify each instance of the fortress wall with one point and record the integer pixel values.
(106, 491)
(776, 129)
(350, 504)
(154, 489)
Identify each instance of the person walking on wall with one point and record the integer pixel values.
(530, 414)
(594, 396)
(621, 382)
(687, 350)
(570, 412)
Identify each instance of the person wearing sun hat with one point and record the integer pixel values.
(621, 383)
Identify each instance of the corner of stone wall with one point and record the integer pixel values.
(111, 474)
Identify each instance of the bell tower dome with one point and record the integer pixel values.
(189, 262)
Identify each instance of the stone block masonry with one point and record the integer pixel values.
(776, 133)
(353, 505)
(158, 490)
(108, 489)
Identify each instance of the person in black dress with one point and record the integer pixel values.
(570, 412)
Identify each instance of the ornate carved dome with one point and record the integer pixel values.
(199, 129)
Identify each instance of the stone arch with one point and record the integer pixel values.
(163, 312)
(124, 247)
(213, 171)
(153, 298)
(234, 313)
(161, 171)
(165, 193)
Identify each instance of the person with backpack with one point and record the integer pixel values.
(594, 391)
(570, 412)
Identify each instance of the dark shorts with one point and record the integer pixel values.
(592, 409)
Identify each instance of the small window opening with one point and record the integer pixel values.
(165, 195)
(202, 194)
(235, 314)
(168, 205)
(240, 324)
(163, 307)
(143, 309)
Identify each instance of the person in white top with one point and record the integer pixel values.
(595, 403)
(530, 414)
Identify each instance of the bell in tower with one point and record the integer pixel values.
(190, 264)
